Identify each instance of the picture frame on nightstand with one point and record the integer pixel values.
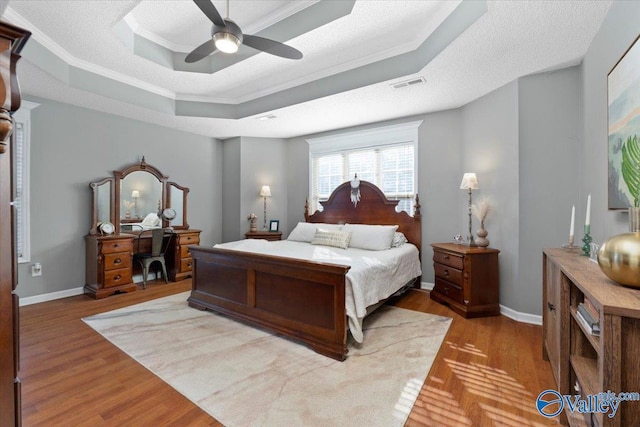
(274, 225)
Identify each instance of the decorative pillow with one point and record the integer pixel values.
(305, 231)
(399, 239)
(335, 238)
(371, 237)
(151, 220)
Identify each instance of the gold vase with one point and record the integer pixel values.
(619, 259)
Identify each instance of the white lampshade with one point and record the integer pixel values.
(265, 191)
(469, 182)
(135, 194)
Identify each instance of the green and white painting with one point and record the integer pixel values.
(624, 130)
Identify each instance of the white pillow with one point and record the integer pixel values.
(305, 231)
(399, 239)
(151, 220)
(335, 238)
(371, 237)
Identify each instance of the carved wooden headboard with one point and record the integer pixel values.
(373, 208)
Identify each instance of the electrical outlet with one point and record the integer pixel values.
(36, 269)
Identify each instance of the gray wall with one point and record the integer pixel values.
(549, 179)
(250, 163)
(490, 150)
(618, 31)
(72, 146)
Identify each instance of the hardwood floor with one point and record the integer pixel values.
(488, 372)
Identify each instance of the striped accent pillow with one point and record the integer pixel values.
(335, 238)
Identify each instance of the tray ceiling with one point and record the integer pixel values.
(126, 58)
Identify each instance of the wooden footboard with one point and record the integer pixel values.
(302, 300)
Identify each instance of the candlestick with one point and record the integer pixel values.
(588, 219)
(586, 248)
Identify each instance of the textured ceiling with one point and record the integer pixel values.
(82, 51)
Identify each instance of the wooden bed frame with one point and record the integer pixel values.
(302, 300)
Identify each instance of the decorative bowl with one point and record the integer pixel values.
(619, 259)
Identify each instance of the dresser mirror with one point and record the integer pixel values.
(177, 200)
(103, 203)
(128, 199)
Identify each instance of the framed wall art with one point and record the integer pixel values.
(623, 93)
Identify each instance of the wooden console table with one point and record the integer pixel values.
(582, 362)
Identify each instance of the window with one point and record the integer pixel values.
(22, 136)
(385, 156)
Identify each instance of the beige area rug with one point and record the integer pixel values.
(244, 376)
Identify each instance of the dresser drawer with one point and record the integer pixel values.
(113, 246)
(448, 273)
(118, 260)
(446, 258)
(186, 264)
(185, 252)
(117, 277)
(449, 290)
(188, 239)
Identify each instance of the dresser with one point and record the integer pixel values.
(467, 279)
(109, 265)
(178, 257)
(266, 235)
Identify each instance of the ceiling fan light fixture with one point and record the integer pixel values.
(226, 42)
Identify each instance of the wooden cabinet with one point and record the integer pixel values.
(109, 265)
(266, 235)
(585, 363)
(179, 261)
(467, 279)
(12, 39)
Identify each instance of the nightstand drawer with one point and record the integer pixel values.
(455, 261)
(449, 290)
(448, 273)
(118, 260)
(185, 252)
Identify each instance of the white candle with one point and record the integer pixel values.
(588, 219)
(573, 220)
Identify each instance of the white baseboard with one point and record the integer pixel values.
(51, 296)
(533, 319)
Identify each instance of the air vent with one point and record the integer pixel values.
(410, 82)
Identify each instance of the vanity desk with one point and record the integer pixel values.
(112, 241)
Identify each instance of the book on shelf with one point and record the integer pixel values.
(595, 313)
(593, 328)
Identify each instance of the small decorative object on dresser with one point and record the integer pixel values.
(274, 225)
(481, 209)
(253, 219)
(467, 279)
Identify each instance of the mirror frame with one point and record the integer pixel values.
(141, 167)
(185, 191)
(114, 196)
(112, 214)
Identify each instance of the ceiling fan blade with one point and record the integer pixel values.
(202, 51)
(210, 10)
(271, 46)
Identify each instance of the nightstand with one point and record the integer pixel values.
(467, 279)
(267, 235)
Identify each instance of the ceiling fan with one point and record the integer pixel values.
(226, 37)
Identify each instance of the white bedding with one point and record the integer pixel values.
(374, 275)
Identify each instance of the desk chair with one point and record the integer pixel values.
(160, 240)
